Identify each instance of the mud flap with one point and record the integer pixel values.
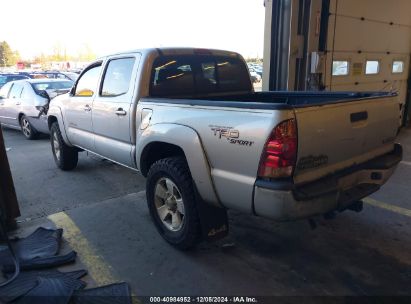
(213, 220)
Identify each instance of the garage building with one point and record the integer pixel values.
(339, 45)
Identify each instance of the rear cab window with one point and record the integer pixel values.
(183, 75)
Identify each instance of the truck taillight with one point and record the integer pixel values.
(280, 151)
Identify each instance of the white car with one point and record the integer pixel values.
(23, 102)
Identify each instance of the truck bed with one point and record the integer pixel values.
(335, 129)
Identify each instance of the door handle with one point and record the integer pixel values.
(18, 103)
(121, 112)
(87, 108)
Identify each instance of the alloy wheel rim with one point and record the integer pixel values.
(56, 146)
(25, 125)
(169, 204)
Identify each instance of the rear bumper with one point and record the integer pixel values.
(283, 201)
(39, 123)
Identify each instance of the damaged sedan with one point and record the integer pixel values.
(24, 103)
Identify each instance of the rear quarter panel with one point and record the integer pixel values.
(232, 140)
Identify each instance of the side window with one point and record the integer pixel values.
(4, 91)
(340, 68)
(25, 94)
(117, 77)
(16, 91)
(87, 84)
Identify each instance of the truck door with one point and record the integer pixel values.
(112, 109)
(78, 113)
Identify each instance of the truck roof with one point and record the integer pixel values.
(178, 51)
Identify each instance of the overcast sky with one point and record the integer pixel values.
(36, 26)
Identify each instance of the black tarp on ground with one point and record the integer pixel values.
(118, 293)
(39, 250)
(36, 251)
(41, 263)
(48, 291)
(41, 243)
(27, 280)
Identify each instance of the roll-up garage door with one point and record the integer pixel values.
(368, 46)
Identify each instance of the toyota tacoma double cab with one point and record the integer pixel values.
(190, 122)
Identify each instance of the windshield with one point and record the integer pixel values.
(52, 85)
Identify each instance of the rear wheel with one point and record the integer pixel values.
(28, 131)
(65, 157)
(171, 201)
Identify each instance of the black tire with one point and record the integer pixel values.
(27, 129)
(175, 169)
(66, 157)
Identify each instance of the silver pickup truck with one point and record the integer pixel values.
(189, 120)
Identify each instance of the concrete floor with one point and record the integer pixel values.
(356, 254)
(44, 190)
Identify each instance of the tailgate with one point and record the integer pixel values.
(336, 136)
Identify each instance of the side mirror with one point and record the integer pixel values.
(85, 93)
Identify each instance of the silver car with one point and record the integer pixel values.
(24, 103)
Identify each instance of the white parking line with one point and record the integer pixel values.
(406, 163)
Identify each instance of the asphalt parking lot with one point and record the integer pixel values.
(102, 208)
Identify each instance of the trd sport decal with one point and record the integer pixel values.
(232, 135)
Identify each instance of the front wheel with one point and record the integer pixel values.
(171, 201)
(65, 157)
(26, 128)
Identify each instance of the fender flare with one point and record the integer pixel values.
(55, 111)
(189, 141)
